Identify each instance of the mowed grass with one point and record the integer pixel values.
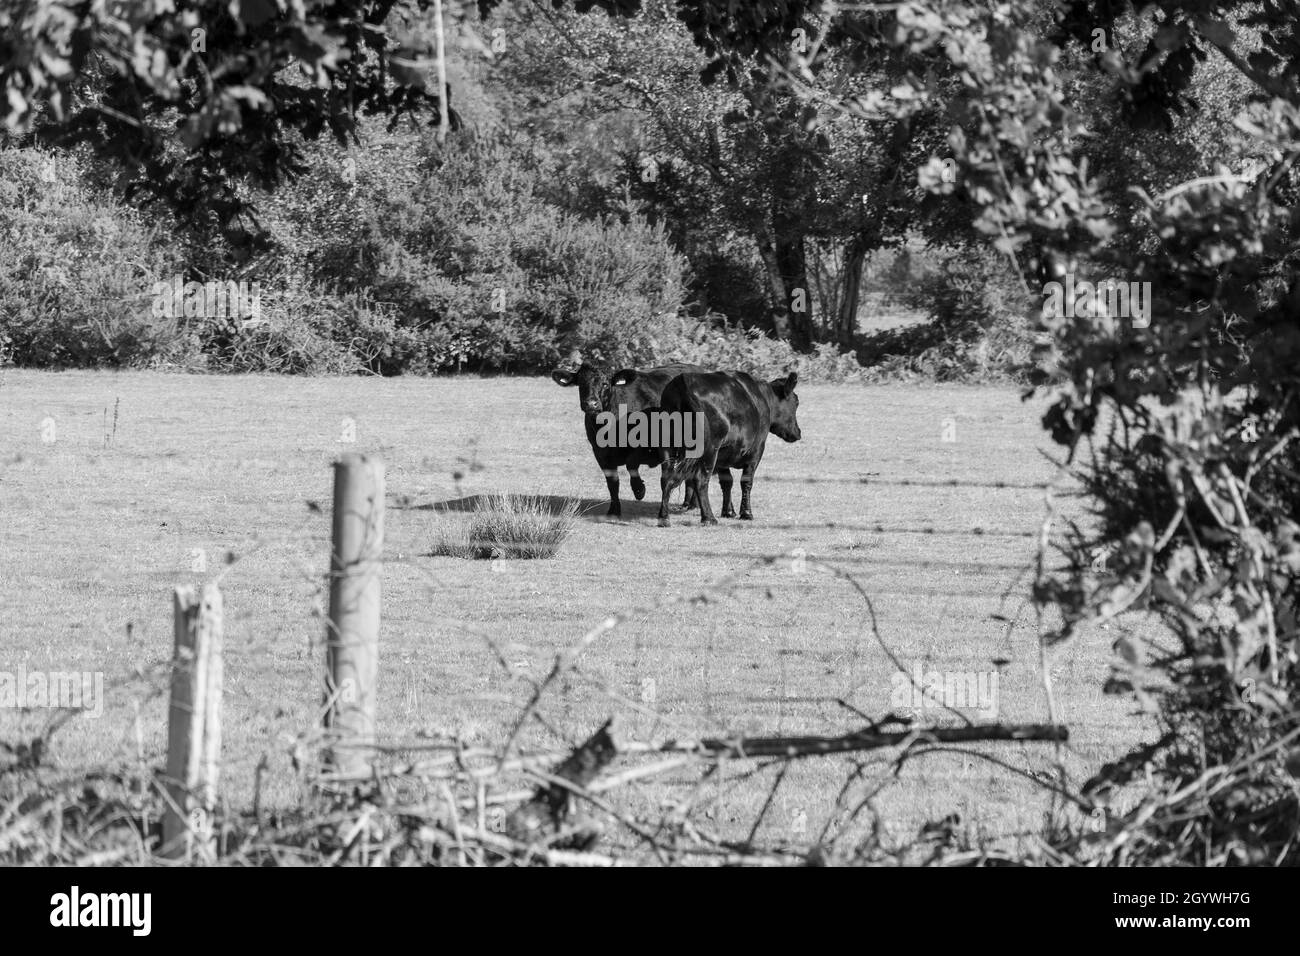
(100, 526)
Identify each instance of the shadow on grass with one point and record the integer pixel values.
(909, 342)
(593, 509)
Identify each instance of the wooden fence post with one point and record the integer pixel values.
(194, 724)
(352, 636)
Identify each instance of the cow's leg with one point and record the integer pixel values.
(666, 486)
(611, 482)
(689, 502)
(638, 486)
(702, 473)
(724, 479)
(746, 482)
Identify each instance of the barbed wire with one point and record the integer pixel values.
(306, 546)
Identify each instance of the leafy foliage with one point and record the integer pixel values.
(74, 270)
(1193, 478)
(494, 277)
(712, 342)
(195, 100)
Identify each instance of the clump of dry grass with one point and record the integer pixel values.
(508, 526)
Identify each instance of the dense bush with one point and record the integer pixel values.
(480, 271)
(714, 343)
(979, 326)
(397, 260)
(77, 274)
(304, 329)
(727, 277)
(403, 259)
(455, 265)
(76, 271)
(1178, 419)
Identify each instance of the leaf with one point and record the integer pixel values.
(1264, 62)
(1293, 763)
(17, 105)
(709, 74)
(1126, 650)
(1171, 36)
(1117, 685)
(254, 12)
(251, 95)
(310, 42)
(1166, 592)
(195, 130)
(1216, 31)
(1007, 245)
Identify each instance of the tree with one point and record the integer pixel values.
(1178, 413)
(1194, 480)
(716, 161)
(196, 101)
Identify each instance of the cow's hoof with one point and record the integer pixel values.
(614, 513)
(664, 523)
(728, 512)
(708, 521)
(638, 489)
(746, 516)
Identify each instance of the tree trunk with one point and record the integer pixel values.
(780, 300)
(846, 324)
(787, 273)
(792, 262)
(829, 288)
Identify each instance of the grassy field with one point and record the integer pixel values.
(117, 487)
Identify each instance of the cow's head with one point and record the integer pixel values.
(593, 386)
(785, 424)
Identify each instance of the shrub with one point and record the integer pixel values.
(305, 329)
(481, 271)
(714, 343)
(76, 271)
(971, 289)
(727, 277)
(978, 328)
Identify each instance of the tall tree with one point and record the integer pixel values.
(194, 100)
(718, 160)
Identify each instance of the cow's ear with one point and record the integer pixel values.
(562, 377)
(784, 386)
(623, 376)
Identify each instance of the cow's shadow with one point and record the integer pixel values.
(591, 509)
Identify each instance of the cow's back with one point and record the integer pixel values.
(643, 394)
(736, 412)
(645, 391)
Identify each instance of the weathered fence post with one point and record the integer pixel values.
(352, 636)
(194, 724)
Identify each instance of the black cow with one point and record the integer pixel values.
(738, 411)
(639, 390)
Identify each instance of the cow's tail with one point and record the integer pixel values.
(678, 466)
